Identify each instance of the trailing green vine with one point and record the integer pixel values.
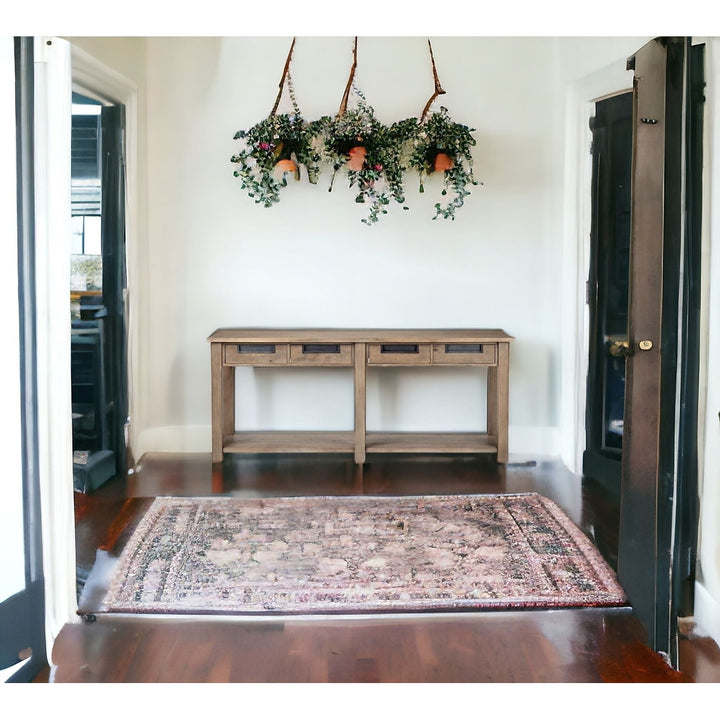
(276, 148)
(374, 157)
(368, 153)
(441, 145)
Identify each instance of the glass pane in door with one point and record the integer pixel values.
(613, 257)
(615, 305)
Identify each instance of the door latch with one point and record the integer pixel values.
(620, 348)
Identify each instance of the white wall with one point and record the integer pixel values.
(213, 258)
(216, 259)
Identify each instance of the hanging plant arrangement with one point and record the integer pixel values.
(441, 145)
(368, 152)
(373, 156)
(276, 148)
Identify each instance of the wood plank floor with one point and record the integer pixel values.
(579, 646)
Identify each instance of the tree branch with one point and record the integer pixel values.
(438, 88)
(282, 79)
(346, 95)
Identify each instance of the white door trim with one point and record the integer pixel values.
(580, 100)
(53, 232)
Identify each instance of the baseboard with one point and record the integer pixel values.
(706, 613)
(174, 439)
(529, 442)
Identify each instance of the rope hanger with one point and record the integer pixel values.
(346, 94)
(286, 73)
(438, 88)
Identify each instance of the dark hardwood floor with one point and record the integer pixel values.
(572, 646)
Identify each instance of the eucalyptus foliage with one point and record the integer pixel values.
(439, 134)
(277, 137)
(380, 179)
(378, 174)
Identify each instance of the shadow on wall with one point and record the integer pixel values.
(196, 61)
(534, 378)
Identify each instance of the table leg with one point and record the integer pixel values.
(501, 401)
(360, 401)
(492, 426)
(223, 400)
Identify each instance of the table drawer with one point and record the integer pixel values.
(464, 353)
(256, 354)
(321, 354)
(399, 354)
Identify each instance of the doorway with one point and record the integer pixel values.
(97, 293)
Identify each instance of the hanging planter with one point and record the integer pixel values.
(443, 146)
(276, 148)
(355, 143)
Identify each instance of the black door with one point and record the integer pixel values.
(114, 277)
(658, 480)
(608, 289)
(643, 297)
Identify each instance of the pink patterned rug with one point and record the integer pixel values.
(358, 554)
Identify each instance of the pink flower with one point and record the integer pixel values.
(264, 146)
(378, 168)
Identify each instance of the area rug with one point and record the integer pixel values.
(358, 555)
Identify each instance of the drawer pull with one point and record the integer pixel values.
(256, 349)
(400, 349)
(317, 349)
(463, 348)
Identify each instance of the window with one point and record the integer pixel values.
(86, 258)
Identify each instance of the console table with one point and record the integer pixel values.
(359, 350)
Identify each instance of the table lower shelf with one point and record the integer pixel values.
(280, 441)
(289, 441)
(429, 442)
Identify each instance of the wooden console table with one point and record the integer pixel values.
(357, 349)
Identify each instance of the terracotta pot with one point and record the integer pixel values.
(287, 166)
(443, 162)
(357, 158)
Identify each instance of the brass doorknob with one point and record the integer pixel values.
(620, 348)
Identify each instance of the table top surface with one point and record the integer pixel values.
(353, 335)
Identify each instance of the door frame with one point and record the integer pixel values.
(94, 79)
(60, 65)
